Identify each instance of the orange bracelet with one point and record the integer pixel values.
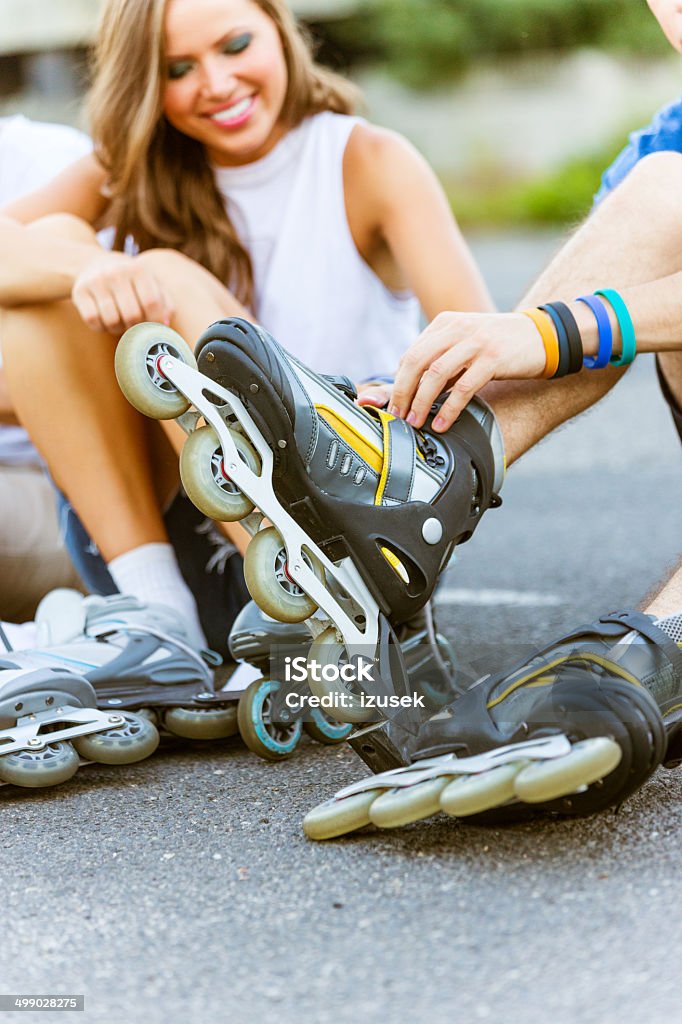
(544, 324)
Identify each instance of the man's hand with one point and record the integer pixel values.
(668, 13)
(117, 291)
(463, 352)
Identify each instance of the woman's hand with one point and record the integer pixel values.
(463, 352)
(116, 291)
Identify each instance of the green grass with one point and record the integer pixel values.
(559, 198)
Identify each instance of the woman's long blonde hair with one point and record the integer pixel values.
(162, 186)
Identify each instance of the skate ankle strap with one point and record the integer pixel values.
(642, 624)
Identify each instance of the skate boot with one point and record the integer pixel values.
(137, 658)
(365, 511)
(574, 730)
(275, 710)
(50, 725)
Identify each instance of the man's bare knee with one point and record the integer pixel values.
(658, 174)
(67, 226)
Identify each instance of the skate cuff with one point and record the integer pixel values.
(545, 325)
(627, 328)
(603, 357)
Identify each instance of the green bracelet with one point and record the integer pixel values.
(627, 328)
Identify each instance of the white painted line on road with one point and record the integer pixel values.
(518, 598)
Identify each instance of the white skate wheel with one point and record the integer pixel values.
(588, 761)
(338, 817)
(472, 794)
(205, 480)
(408, 804)
(137, 365)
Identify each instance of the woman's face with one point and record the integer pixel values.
(226, 77)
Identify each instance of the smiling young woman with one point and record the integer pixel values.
(234, 179)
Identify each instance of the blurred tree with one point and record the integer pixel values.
(427, 42)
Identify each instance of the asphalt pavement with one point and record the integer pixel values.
(182, 890)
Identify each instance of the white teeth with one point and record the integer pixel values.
(230, 113)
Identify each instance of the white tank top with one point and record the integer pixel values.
(313, 291)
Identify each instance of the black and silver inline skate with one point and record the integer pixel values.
(363, 511)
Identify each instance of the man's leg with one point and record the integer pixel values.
(668, 600)
(634, 236)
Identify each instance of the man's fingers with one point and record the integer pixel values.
(437, 378)
(413, 365)
(463, 390)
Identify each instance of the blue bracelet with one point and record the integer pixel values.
(603, 356)
(627, 328)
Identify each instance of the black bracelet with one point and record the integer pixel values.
(575, 342)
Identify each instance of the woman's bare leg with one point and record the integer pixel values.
(63, 387)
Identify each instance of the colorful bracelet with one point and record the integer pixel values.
(545, 326)
(562, 338)
(603, 356)
(575, 342)
(627, 328)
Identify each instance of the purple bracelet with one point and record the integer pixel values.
(603, 356)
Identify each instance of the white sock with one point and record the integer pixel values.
(151, 574)
(22, 637)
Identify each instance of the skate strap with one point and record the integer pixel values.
(400, 450)
(643, 625)
(344, 384)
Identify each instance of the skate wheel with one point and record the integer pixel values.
(33, 769)
(148, 713)
(326, 650)
(326, 730)
(272, 741)
(269, 582)
(138, 374)
(472, 794)
(205, 479)
(588, 761)
(338, 817)
(402, 806)
(202, 723)
(133, 740)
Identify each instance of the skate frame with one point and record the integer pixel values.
(259, 490)
(543, 749)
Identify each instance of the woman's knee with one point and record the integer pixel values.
(66, 225)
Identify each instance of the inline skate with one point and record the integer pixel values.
(573, 730)
(50, 724)
(363, 510)
(115, 671)
(271, 725)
